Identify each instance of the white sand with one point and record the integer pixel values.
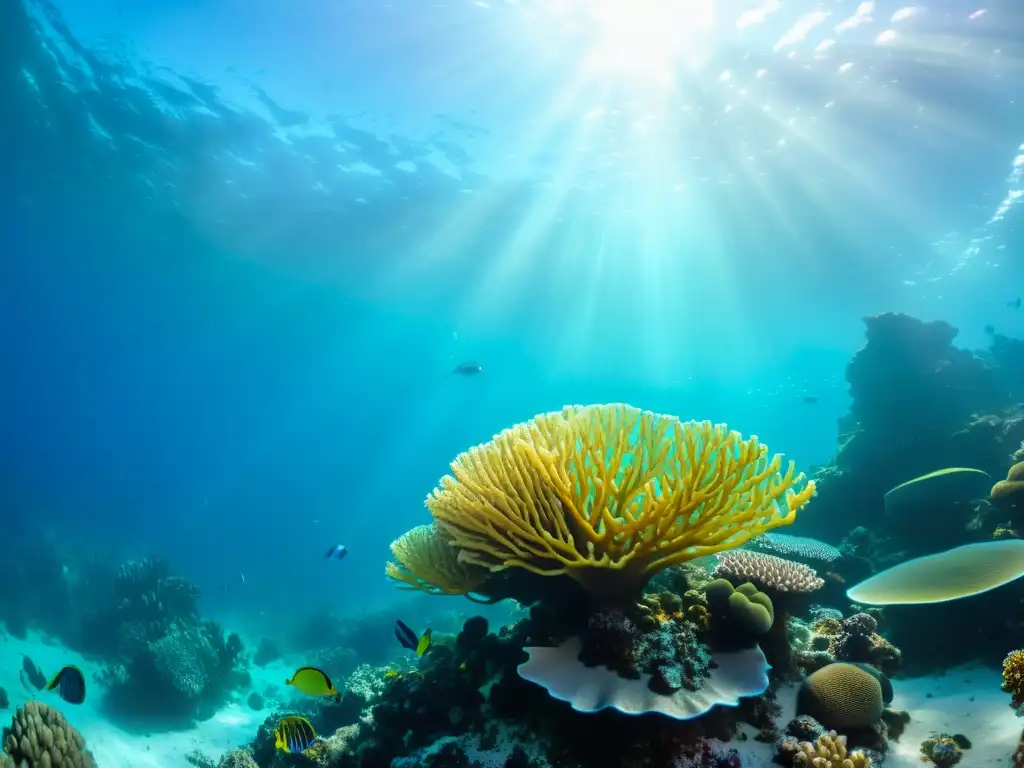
(965, 700)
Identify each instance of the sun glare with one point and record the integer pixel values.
(646, 36)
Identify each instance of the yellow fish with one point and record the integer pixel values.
(391, 674)
(424, 643)
(312, 682)
(294, 734)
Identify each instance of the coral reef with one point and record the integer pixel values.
(40, 737)
(856, 639)
(183, 674)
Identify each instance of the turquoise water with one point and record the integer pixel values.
(246, 244)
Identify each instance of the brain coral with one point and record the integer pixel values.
(40, 737)
(610, 495)
(841, 696)
(767, 571)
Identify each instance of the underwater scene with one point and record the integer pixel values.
(512, 383)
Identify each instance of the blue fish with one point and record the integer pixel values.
(409, 640)
(337, 552)
(70, 684)
(468, 368)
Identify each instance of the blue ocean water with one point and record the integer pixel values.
(245, 245)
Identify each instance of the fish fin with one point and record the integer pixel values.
(424, 644)
(54, 682)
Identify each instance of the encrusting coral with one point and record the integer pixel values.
(610, 495)
(426, 560)
(40, 737)
(1013, 677)
(829, 751)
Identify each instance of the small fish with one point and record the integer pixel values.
(337, 552)
(31, 676)
(391, 674)
(243, 577)
(809, 399)
(294, 734)
(989, 330)
(408, 640)
(468, 368)
(1015, 304)
(312, 682)
(69, 683)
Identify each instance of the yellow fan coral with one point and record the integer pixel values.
(610, 495)
(427, 561)
(830, 752)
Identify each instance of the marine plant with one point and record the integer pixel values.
(608, 495)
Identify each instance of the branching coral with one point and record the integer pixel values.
(426, 560)
(610, 495)
(830, 751)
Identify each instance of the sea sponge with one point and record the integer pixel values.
(1013, 486)
(1013, 677)
(767, 571)
(40, 737)
(610, 495)
(829, 751)
(950, 575)
(427, 561)
(842, 696)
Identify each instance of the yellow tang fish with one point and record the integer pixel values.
(294, 734)
(312, 682)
